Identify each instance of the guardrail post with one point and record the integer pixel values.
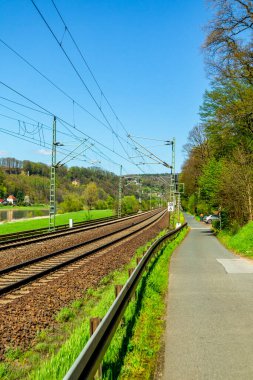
(118, 289)
(94, 322)
(130, 271)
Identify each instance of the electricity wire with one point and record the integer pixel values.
(79, 75)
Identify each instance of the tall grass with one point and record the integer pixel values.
(241, 241)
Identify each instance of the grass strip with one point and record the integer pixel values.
(141, 343)
(78, 216)
(56, 349)
(240, 242)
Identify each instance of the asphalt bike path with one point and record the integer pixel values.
(209, 327)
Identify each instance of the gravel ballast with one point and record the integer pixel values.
(25, 315)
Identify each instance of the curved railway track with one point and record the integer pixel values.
(25, 238)
(12, 278)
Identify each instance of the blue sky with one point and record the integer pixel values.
(146, 56)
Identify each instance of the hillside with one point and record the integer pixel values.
(30, 179)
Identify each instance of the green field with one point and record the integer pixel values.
(31, 224)
(24, 208)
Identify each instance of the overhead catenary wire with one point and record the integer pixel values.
(38, 142)
(74, 101)
(52, 83)
(65, 122)
(79, 75)
(88, 66)
(74, 126)
(58, 88)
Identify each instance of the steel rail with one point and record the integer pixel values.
(36, 275)
(39, 231)
(88, 361)
(56, 234)
(4, 237)
(64, 226)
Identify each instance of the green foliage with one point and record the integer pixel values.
(64, 315)
(239, 240)
(129, 204)
(223, 175)
(41, 347)
(90, 195)
(77, 304)
(210, 181)
(101, 205)
(71, 203)
(3, 370)
(13, 353)
(192, 203)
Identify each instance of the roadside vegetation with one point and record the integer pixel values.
(135, 347)
(240, 240)
(218, 171)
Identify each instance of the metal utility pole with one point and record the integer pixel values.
(120, 193)
(140, 192)
(172, 186)
(178, 208)
(52, 204)
(173, 163)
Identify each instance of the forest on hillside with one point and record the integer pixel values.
(218, 171)
(79, 187)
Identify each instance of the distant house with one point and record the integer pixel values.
(11, 199)
(76, 182)
(1, 200)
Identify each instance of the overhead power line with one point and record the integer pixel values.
(65, 123)
(52, 83)
(59, 89)
(66, 29)
(79, 76)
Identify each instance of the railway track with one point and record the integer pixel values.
(12, 278)
(41, 231)
(18, 240)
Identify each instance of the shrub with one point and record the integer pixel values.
(71, 203)
(65, 315)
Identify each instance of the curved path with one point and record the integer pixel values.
(209, 331)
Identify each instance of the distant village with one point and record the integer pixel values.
(11, 200)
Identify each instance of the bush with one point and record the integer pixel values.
(129, 204)
(101, 205)
(71, 203)
(234, 227)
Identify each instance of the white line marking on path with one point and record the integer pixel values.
(200, 228)
(236, 266)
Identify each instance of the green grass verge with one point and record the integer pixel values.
(24, 208)
(135, 346)
(241, 242)
(26, 225)
(144, 346)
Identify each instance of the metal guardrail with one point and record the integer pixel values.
(88, 361)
